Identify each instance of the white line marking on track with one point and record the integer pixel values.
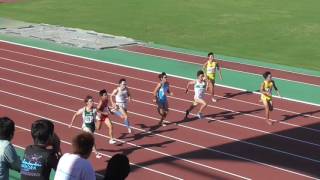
(150, 132)
(234, 62)
(132, 144)
(103, 81)
(153, 82)
(141, 69)
(258, 130)
(199, 146)
(221, 68)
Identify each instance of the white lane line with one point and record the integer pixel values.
(103, 81)
(132, 144)
(245, 127)
(141, 69)
(153, 82)
(199, 146)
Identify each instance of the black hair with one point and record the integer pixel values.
(121, 80)
(102, 92)
(200, 72)
(42, 131)
(266, 74)
(118, 168)
(88, 97)
(161, 75)
(210, 54)
(82, 144)
(6, 128)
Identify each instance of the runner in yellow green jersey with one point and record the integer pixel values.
(210, 68)
(266, 94)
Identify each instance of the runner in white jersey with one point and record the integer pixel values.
(200, 87)
(88, 113)
(122, 97)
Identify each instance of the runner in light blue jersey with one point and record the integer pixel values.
(160, 97)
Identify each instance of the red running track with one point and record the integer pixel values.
(233, 142)
(225, 64)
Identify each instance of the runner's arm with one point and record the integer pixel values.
(155, 91)
(207, 85)
(262, 91)
(275, 87)
(204, 68)
(114, 92)
(169, 92)
(80, 111)
(219, 69)
(99, 109)
(129, 95)
(189, 83)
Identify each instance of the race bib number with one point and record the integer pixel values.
(210, 70)
(88, 119)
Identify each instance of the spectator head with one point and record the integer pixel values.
(6, 128)
(82, 144)
(42, 131)
(118, 168)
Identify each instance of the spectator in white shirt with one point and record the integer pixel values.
(75, 166)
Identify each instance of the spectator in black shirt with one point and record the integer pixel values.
(43, 155)
(118, 168)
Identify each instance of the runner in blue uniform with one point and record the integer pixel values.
(160, 97)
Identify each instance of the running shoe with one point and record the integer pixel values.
(112, 141)
(187, 114)
(199, 115)
(98, 155)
